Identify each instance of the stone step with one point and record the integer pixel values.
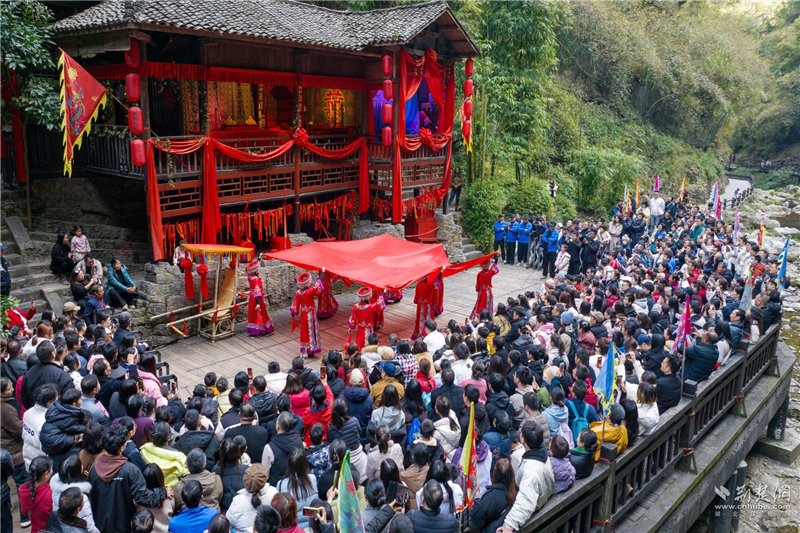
(26, 294)
(27, 269)
(93, 231)
(104, 250)
(33, 280)
(12, 247)
(469, 256)
(469, 248)
(465, 241)
(13, 258)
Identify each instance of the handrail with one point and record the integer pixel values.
(606, 496)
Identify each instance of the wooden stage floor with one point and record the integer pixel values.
(192, 358)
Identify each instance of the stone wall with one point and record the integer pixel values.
(451, 235)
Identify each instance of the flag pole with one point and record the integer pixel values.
(683, 362)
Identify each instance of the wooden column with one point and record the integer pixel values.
(297, 123)
(395, 118)
(144, 101)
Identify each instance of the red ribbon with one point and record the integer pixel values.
(235, 308)
(216, 314)
(301, 137)
(203, 271)
(186, 265)
(185, 329)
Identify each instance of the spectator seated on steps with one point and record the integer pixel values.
(121, 288)
(94, 304)
(91, 267)
(61, 262)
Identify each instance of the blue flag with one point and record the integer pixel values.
(607, 378)
(783, 258)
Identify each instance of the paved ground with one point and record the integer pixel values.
(192, 358)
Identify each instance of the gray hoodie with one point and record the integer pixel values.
(86, 513)
(391, 417)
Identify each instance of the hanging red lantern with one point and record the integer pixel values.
(386, 113)
(386, 64)
(468, 107)
(468, 86)
(386, 135)
(133, 87)
(132, 55)
(388, 89)
(135, 121)
(469, 67)
(466, 128)
(137, 152)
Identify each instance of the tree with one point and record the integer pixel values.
(24, 55)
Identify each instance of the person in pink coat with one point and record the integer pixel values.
(149, 374)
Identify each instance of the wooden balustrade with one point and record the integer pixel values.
(611, 491)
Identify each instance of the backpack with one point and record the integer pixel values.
(581, 422)
(413, 432)
(564, 431)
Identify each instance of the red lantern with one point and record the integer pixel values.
(466, 128)
(469, 67)
(386, 64)
(468, 85)
(468, 107)
(388, 89)
(386, 135)
(135, 122)
(137, 152)
(132, 55)
(133, 87)
(386, 113)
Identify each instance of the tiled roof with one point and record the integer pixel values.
(285, 20)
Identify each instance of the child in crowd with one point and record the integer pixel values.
(210, 381)
(562, 468)
(35, 496)
(317, 453)
(79, 245)
(241, 442)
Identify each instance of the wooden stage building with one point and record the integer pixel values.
(192, 358)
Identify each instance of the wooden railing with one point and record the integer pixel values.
(109, 152)
(611, 491)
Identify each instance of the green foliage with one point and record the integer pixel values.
(483, 201)
(7, 303)
(530, 196)
(27, 52)
(601, 175)
(775, 179)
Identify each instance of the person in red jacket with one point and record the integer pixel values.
(320, 410)
(17, 318)
(35, 496)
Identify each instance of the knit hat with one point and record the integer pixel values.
(567, 317)
(388, 368)
(356, 378)
(255, 477)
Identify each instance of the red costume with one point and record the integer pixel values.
(318, 414)
(377, 297)
(483, 285)
(425, 298)
(364, 317)
(438, 291)
(17, 318)
(258, 320)
(304, 314)
(327, 304)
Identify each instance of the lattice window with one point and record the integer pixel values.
(175, 199)
(311, 178)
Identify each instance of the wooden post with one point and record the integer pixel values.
(26, 173)
(396, 120)
(687, 463)
(296, 186)
(485, 131)
(607, 500)
(144, 100)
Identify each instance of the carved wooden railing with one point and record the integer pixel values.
(611, 491)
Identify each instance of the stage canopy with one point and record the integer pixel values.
(383, 262)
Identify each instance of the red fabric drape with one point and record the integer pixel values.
(154, 205)
(212, 220)
(247, 157)
(10, 89)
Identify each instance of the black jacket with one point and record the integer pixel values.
(433, 521)
(116, 493)
(599, 331)
(282, 445)
(350, 433)
(43, 374)
(62, 423)
(7, 469)
(108, 386)
(230, 417)
(700, 362)
(498, 401)
(336, 385)
(589, 251)
(491, 505)
(203, 439)
(65, 525)
(454, 393)
(307, 377)
(669, 392)
(359, 405)
(5, 277)
(482, 422)
(583, 463)
(264, 403)
(210, 409)
(131, 453)
(272, 430)
(13, 369)
(231, 476)
(256, 438)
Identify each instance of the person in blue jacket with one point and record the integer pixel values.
(552, 238)
(524, 238)
(511, 239)
(500, 235)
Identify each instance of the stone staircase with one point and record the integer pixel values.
(469, 250)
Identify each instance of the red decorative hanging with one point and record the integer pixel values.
(388, 89)
(386, 113)
(386, 135)
(185, 329)
(202, 270)
(466, 129)
(186, 265)
(468, 86)
(133, 87)
(132, 55)
(135, 121)
(386, 64)
(469, 67)
(138, 157)
(468, 107)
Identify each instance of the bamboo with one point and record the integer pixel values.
(204, 313)
(484, 130)
(176, 330)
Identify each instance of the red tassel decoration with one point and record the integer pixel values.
(185, 329)
(216, 314)
(171, 316)
(203, 271)
(186, 265)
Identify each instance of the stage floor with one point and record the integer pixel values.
(192, 358)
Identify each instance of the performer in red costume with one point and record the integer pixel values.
(425, 298)
(376, 296)
(326, 303)
(364, 316)
(438, 291)
(391, 297)
(483, 285)
(17, 318)
(258, 320)
(304, 313)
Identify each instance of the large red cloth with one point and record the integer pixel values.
(382, 262)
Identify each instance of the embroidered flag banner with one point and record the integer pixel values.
(657, 185)
(783, 257)
(82, 96)
(349, 512)
(469, 462)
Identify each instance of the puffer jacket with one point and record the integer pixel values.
(563, 472)
(152, 387)
(536, 483)
(211, 484)
(359, 405)
(555, 414)
(62, 423)
(171, 461)
(350, 433)
(86, 488)
(203, 439)
(242, 514)
(300, 402)
(446, 436)
(119, 280)
(231, 475)
(264, 403)
(583, 462)
(701, 360)
(391, 417)
(496, 402)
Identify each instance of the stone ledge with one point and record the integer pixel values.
(786, 451)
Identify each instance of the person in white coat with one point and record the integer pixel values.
(446, 430)
(647, 407)
(70, 474)
(562, 260)
(256, 492)
(32, 422)
(535, 479)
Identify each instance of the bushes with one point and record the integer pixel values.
(530, 197)
(483, 201)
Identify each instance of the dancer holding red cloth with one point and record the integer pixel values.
(376, 296)
(258, 320)
(483, 285)
(438, 293)
(326, 303)
(304, 314)
(364, 317)
(425, 298)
